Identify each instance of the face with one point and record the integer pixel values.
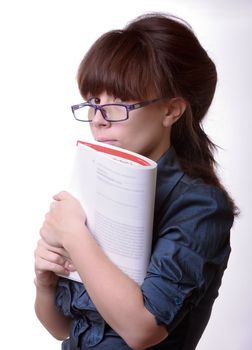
(144, 132)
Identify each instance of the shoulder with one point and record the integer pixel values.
(189, 205)
(175, 188)
(197, 214)
(201, 195)
(191, 196)
(194, 196)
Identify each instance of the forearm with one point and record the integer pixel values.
(117, 297)
(53, 320)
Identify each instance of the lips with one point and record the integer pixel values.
(105, 140)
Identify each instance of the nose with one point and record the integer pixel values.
(99, 119)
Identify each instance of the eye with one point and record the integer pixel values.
(94, 100)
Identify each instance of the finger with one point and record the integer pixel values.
(44, 253)
(58, 250)
(48, 217)
(62, 196)
(45, 265)
(55, 258)
(69, 266)
(44, 231)
(53, 205)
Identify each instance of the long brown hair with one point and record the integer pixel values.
(158, 55)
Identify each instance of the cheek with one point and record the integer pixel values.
(143, 127)
(91, 128)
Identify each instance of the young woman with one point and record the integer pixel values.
(156, 64)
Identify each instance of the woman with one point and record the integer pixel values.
(157, 64)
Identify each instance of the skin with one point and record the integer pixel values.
(66, 243)
(147, 131)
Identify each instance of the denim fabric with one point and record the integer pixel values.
(190, 251)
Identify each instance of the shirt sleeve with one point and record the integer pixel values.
(192, 246)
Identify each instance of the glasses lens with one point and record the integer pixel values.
(111, 113)
(84, 113)
(115, 112)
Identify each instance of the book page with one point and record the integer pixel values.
(118, 200)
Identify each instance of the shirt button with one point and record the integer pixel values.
(178, 301)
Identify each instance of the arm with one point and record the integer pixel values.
(120, 300)
(48, 261)
(117, 297)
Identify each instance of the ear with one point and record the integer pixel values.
(175, 108)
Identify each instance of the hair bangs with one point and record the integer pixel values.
(118, 64)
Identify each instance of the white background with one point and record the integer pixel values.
(42, 43)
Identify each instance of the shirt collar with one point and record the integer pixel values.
(169, 174)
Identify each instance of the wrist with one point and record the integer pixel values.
(77, 238)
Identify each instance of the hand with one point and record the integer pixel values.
(66, 217)
(50, 261)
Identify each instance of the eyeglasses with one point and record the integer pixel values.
(112, 112)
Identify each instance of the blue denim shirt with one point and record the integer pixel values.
(191, 247)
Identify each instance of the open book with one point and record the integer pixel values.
(116, 188)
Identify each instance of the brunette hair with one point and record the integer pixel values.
(158, 55)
